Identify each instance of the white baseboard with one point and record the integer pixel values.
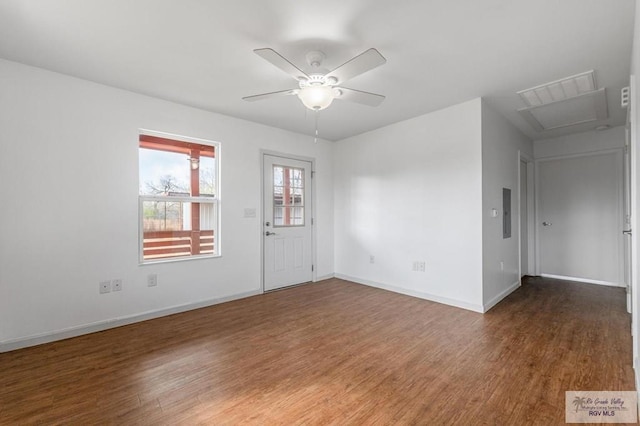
(13, 344)
(637, 377)
(432, 297)
(324, 277)
(493, 302)
(582, 280)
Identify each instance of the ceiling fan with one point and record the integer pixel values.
(318, 88)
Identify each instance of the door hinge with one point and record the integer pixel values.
(312, 221)
(313, 174)
(311, 268)
(624, 97)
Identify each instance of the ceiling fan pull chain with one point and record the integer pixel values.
(315, 139)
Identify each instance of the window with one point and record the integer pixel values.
(288, 196)
(178, 191)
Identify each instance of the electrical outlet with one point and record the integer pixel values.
(105, 287)
(418, 266)
(152, 280)
(116, 285)
(372, 259)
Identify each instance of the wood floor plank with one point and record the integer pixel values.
(333, 352)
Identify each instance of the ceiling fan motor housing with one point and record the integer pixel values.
(314, 80)
(315, 58)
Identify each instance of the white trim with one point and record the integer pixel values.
(177, 137)
(200, 199)
(312, 207)
(582, 280)
(637, 379)
(531, 237)
(323, 277)
(38, 339)
(181, 199)
(634, 148)
(421, 295)
(493, 302)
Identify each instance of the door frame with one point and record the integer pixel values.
(627, 224)
(620, 153)
(312, 209)
(531, 235)
(634, 126)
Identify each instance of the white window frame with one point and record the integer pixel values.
(207, 199)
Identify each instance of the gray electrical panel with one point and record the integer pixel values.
(506, 213)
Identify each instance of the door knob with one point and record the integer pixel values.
(269, 233)
(627, 232)
(547, 223)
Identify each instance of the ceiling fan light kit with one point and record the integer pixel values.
(318, 89)
(317, 92)
(317, 97)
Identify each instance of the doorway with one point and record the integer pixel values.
(524, 220)
(286, 234)
(579, 219)
(527, 214)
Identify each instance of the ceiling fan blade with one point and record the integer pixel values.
(281, 62)
(360, 97)
(362, 63)
(270, 95)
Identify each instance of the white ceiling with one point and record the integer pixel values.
(439, 52)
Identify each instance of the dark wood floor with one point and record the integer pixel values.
(333, 352)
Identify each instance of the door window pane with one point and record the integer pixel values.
(288, 196)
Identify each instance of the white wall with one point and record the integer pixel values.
(69, 215)
(580, 143)
(408, 192)
(502, 144)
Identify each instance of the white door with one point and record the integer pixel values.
(287, 222)
(580, 218)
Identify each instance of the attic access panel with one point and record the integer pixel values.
(584, 108)
(559, 90)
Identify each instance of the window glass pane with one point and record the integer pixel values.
(168, 230)
(288, 191)
(296, 178)
(208, 216)
(163, 173)
(277, 176)
(278, 216)
(162, 216)
(208, 176)
(296, 215)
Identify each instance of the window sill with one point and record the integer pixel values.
(178, 259)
